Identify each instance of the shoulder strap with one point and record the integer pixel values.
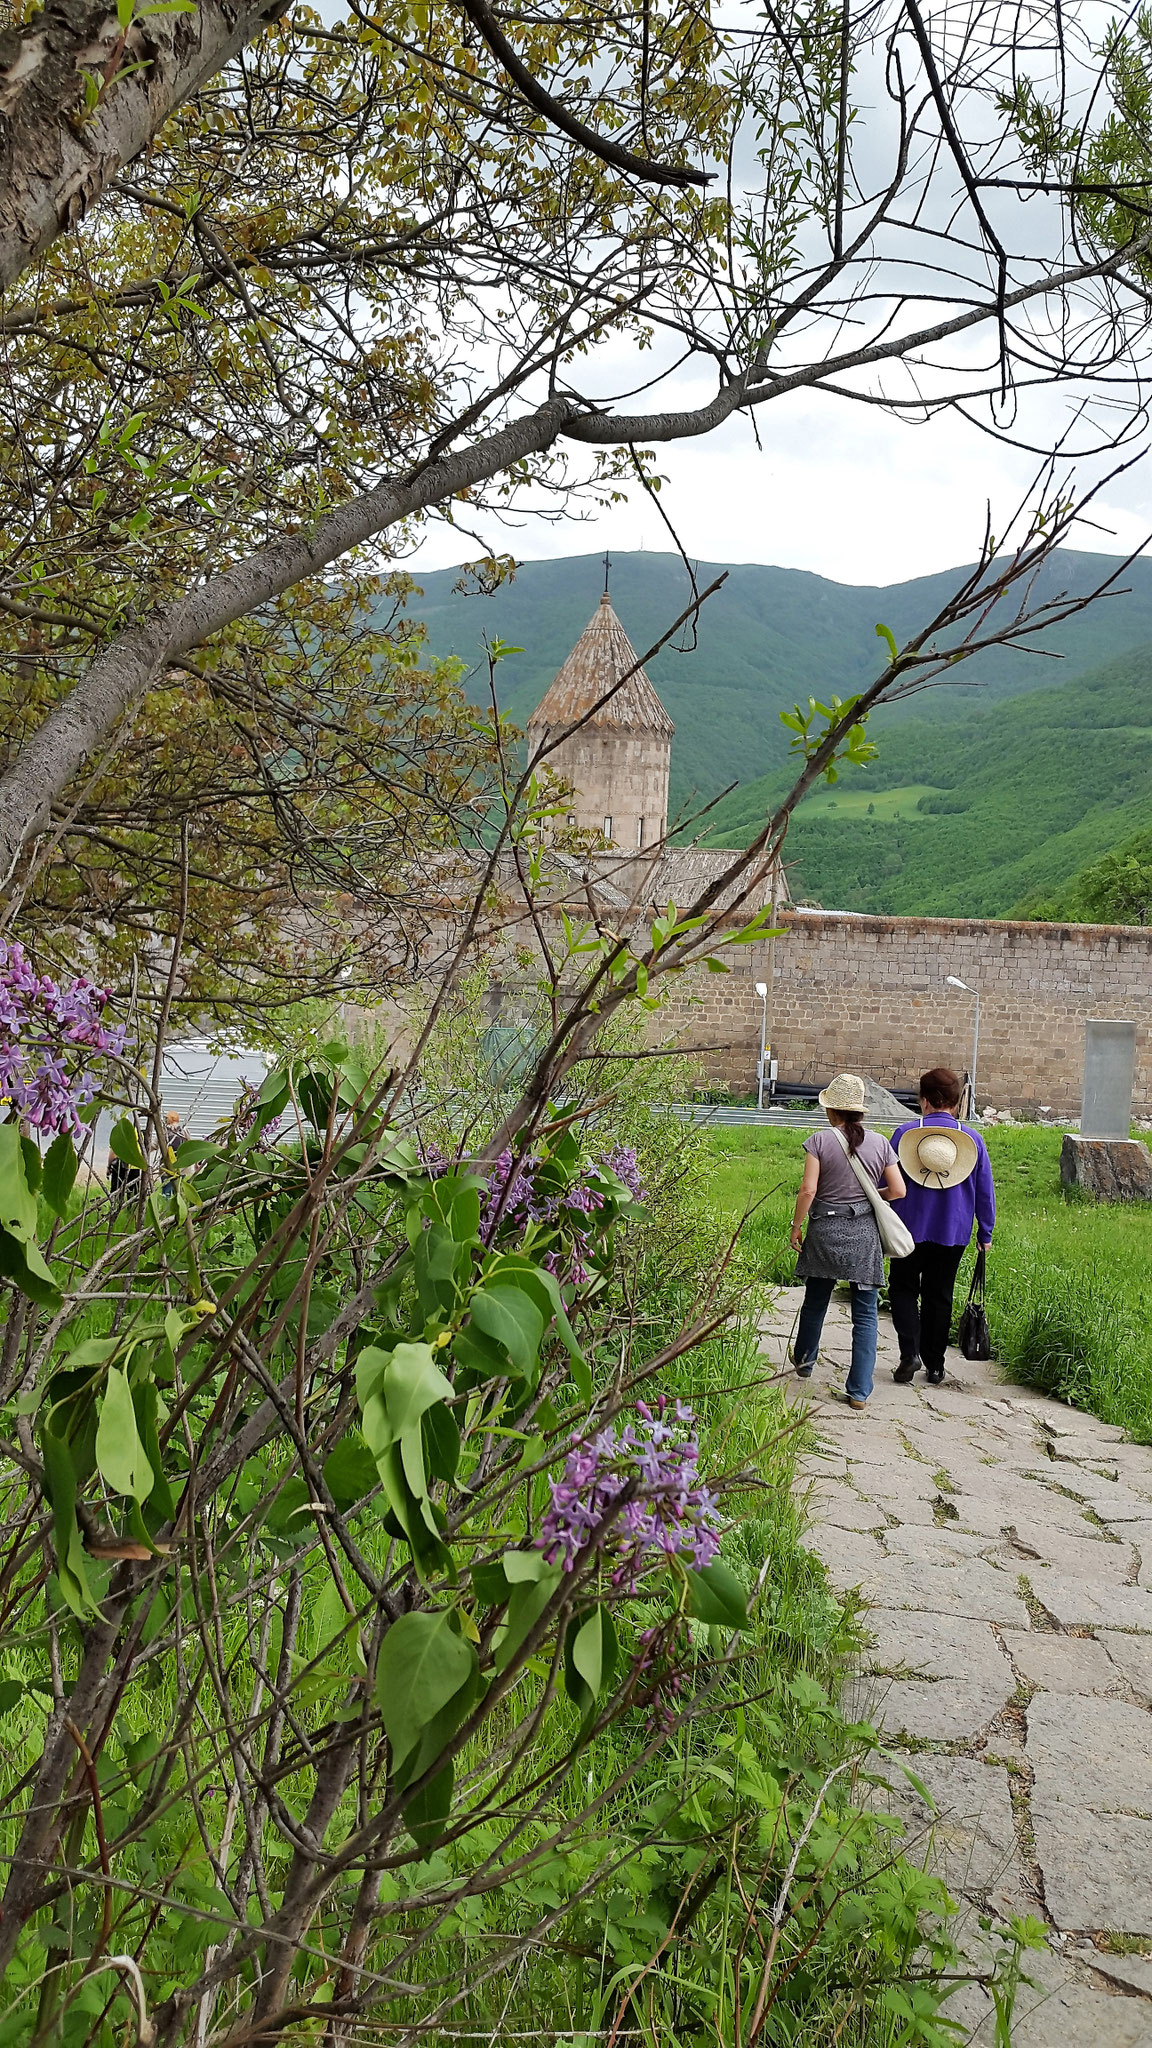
(867, 1183)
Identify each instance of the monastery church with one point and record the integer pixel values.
(883, 996)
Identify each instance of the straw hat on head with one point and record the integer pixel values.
(936, 1157)
(845, 1092)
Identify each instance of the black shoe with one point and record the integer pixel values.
(934, 1374)
(803, 1370)
(906, 1371)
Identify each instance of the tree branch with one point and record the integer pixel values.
(483, 19)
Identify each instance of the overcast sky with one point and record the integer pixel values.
(841, 489)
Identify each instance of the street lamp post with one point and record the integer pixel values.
(762, 992)
(954, 981)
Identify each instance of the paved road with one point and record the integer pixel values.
(1004, 1546)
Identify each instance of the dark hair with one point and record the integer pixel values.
(940, 1087)
(851, 1122)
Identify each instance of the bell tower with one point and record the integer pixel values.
(618, 760)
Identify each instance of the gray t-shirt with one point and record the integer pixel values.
(837, 1181)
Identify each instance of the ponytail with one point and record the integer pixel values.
(851, 1122)
(854, 1132)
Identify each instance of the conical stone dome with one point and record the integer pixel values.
(600, 657)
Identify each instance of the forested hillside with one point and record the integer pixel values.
(985, 814)
(767, 637)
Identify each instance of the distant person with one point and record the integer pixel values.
(950, 1188)
(123, 1180)
(842, 1240)
(174, 1136)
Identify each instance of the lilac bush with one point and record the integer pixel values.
(48, 1037)
(572, 1204)
(636, 1491)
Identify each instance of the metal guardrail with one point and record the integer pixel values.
(729, 1113)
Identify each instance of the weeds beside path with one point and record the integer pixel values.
(1069, 1279)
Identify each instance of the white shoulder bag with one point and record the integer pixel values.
(895, 1237)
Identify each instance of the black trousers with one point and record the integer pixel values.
(920, 1290)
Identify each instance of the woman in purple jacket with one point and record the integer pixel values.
(949, 1179)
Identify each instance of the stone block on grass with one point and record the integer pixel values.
(1112, 1169)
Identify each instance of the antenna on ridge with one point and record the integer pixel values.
(607, 567)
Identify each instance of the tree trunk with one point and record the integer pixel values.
(80, 97)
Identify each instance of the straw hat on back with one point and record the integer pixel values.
(937, 1157)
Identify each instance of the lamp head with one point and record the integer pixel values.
(761, 988)
(954, 982)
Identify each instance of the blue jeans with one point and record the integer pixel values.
(817, 1295)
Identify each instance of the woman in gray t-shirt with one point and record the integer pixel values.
(842, 1240)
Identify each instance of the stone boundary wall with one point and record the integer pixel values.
(870, 994)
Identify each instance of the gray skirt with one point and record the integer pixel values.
(842, 1242)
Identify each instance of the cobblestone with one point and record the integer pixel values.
(1010, 1620)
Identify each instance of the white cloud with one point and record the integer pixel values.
(843, 489)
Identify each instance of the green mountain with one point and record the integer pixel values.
(767, 637)
(982, 814)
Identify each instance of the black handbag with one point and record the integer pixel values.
(973, 1336)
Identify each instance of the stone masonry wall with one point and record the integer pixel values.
(870, 994)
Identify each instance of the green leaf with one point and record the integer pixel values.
(715, 1594)
(589, 1658)
(124, 1143)
(477, 1354)
(435, 1252)
(287, 1515)
(440, 1439)
(22, 1262)
(350, 1472)
(528, 1599)
(33, 1162)
(412, 1382)
(60, 1484)
(426, 1814)
(119, 1451)
(544, 1288)
(371, 1364)
(513, 1319)
(11, 1690)
(422, 1666)
(145, 1401)
(884, 633)
(17, 1199)
(60, 1168)
(524, 1567)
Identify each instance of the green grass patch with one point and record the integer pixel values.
(1069, 1279)
(841, 802)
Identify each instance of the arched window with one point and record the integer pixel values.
(608, 829)
(639, 831)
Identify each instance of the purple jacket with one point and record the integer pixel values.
(946, 1215)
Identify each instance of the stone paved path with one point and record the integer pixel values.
(1004, 1546)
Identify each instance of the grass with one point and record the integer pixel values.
(849, 804)
(1069, 1279)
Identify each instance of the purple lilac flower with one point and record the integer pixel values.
(45, 1032)
(433, 1160)
(244, 1115)
(622, 1161)
(668, 1512)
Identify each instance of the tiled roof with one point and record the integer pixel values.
(600, 657)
